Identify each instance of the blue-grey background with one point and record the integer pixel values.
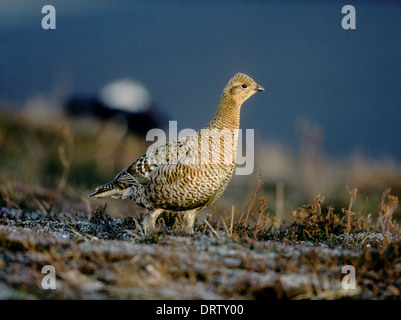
(347, 83)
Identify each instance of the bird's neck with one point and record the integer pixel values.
(227, 115)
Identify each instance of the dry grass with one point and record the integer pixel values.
(265, 249)
(241, 256)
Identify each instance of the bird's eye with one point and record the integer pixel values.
(245, 85)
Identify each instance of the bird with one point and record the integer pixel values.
(188, 174)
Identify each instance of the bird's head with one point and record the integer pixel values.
(241, 87)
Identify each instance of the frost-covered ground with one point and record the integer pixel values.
(99, 257)
(48, 168)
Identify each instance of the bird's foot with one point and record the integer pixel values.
(149, 221)
(189, 221)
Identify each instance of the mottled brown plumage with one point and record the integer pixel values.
(188, 174)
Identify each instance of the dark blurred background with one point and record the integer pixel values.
(331, 94)
(346, 82)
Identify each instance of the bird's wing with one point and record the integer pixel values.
(166, 156)
(131, 176)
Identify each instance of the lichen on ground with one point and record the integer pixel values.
(96, 256)
(46, 219)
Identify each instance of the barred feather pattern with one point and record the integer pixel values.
(192, 172)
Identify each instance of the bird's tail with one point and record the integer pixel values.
(108, 190)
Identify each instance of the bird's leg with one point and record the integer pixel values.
(150, 220)
(189, 220)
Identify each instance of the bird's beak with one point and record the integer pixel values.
(259, 88)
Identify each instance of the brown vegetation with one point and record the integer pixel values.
(100, 252)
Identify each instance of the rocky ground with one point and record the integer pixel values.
(98, 257)
(49, 167)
